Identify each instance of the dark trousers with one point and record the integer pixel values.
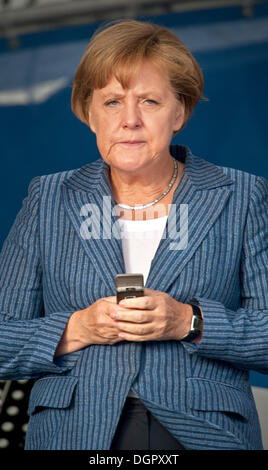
(138, 429)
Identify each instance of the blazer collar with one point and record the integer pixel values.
(201, 173)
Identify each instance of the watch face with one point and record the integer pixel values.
(197, 323)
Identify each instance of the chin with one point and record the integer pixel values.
(130, 163)
(128, 167)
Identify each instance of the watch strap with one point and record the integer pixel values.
(196, 325)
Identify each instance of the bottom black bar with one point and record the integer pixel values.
(126, 459)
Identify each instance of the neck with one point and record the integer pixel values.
(143, 186)
(156, 210)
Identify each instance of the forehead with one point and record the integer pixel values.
(146, 77)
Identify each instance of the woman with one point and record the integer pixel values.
(169, 370)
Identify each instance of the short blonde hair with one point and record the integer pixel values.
(120, 47)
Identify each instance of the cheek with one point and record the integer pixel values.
(105, 142)
(106, 126)
(102, 140)
(162, 131)
(98, 121)
(103, 130)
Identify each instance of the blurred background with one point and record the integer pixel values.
(41, 43)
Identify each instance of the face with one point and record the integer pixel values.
(134, 126)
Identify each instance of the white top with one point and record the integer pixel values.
(140, 240)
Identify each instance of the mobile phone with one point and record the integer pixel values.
(129, 286)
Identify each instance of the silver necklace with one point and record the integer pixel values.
(144, 206)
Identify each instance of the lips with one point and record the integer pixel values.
(132, 143)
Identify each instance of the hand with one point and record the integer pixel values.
(154, 317)
(93, 325)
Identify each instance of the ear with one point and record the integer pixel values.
(179, 117)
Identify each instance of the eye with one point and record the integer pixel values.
(151, 102)
(111, 103)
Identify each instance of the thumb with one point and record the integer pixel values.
(151, 292)
(111, 299)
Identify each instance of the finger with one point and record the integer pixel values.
(135, 329)
(108, 340)
(108, 337)
(144, 302)
(151, 292)
(137, 338)
(108, 334)
(110, 299)
(132, 316)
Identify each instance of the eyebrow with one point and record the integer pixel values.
(113, 95)
(150, 93)
(144, 94)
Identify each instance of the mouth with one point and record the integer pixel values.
(132, 143)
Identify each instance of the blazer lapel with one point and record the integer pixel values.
(202, 194)
(88, 203)
(199, 199)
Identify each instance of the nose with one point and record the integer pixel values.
(131, 117)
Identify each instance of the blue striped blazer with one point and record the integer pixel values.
(48, 270)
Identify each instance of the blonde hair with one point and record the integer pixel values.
(120, 47)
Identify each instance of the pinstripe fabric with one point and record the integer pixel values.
(201, 393)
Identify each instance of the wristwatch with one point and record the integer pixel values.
(196, 325)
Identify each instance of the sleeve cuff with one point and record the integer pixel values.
(216, 329)
(48, 337)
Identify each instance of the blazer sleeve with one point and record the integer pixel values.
(241, 337)
(28, 339)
